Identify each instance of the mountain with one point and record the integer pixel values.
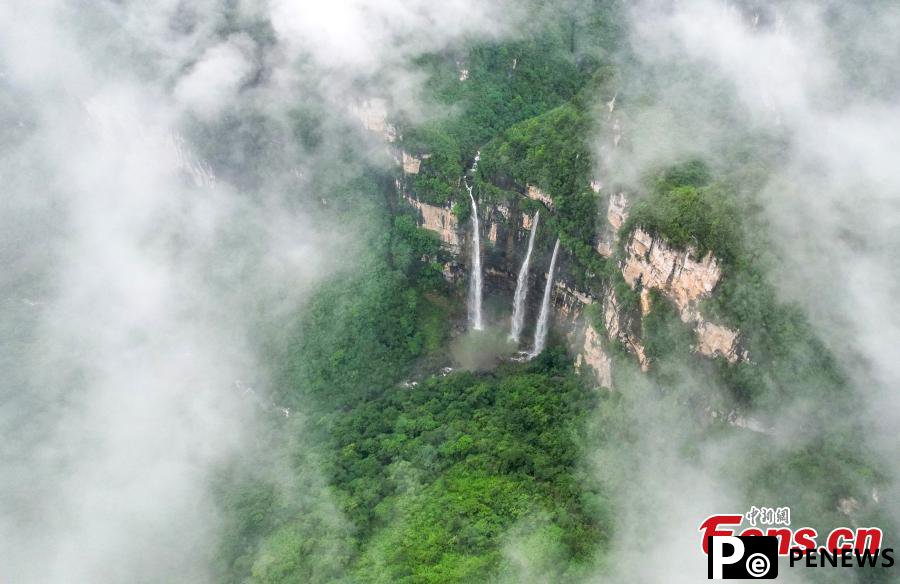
(443, 292)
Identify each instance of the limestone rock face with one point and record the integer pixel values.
(592, 354)
(492, 233)
(411, 164)
(373, 115)
(441, 220)
(496, 217)
(616, 215)
(617, 212)
(685, 280)
(716, 340)
(619, 327)
(585, 341)
(527, 221)
(676, 273)
(537, 194)
(645, 302)
(569, 302)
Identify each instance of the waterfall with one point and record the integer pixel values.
(540, 332)
(475, 280)
(518, 315)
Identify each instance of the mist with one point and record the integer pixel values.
(808, 88)
(159, 220)
(171, 206)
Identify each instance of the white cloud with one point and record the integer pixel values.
(133, 293)
(214, 80)
(365, 35)
(812, 74)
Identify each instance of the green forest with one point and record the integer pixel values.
(518, 471)
(460, 292)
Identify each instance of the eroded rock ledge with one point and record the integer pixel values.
(441, 220)
(591, 353)
(650, 263)
(685, 279)
(616, 215)
(373, 114)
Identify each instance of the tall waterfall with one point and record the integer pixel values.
(518, 315)
(540, 333)
(475, 280)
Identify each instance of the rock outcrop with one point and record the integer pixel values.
(492, 233)
(497, 218)
(616, 215)
(714, 340)
(569, 303)
(534, 193)
(677, 274)
(620, 327)
(441, 220)
(410, 163)
(373, 115)
(583, 337)
(527, 221)
(685, 279)
(617, 211)
(593, 355)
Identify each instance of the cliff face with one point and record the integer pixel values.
(616, 215)
(591, 353)
(441, 220)
(649, 263)
(677, 274)
(410, 163)
(373, 113)
(685, 279)
(537, 194)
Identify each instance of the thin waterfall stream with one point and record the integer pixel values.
(475, 283)
(518, 315)
(540, 332)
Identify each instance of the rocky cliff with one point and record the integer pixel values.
(373, 114)
(681, 276)
(441, 220)
(685, 279)
(616, 215)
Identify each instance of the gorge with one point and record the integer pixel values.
(414, 292)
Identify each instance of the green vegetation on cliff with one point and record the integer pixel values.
(420, 476)
(429, 478)
(551, 152)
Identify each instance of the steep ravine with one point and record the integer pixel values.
(649, 263)
(681, 276)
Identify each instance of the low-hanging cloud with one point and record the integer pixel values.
(804, 71)
(819, 77)
(138, 273)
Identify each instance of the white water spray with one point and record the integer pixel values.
(475, 280)
(540, 332)
(518, 315)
